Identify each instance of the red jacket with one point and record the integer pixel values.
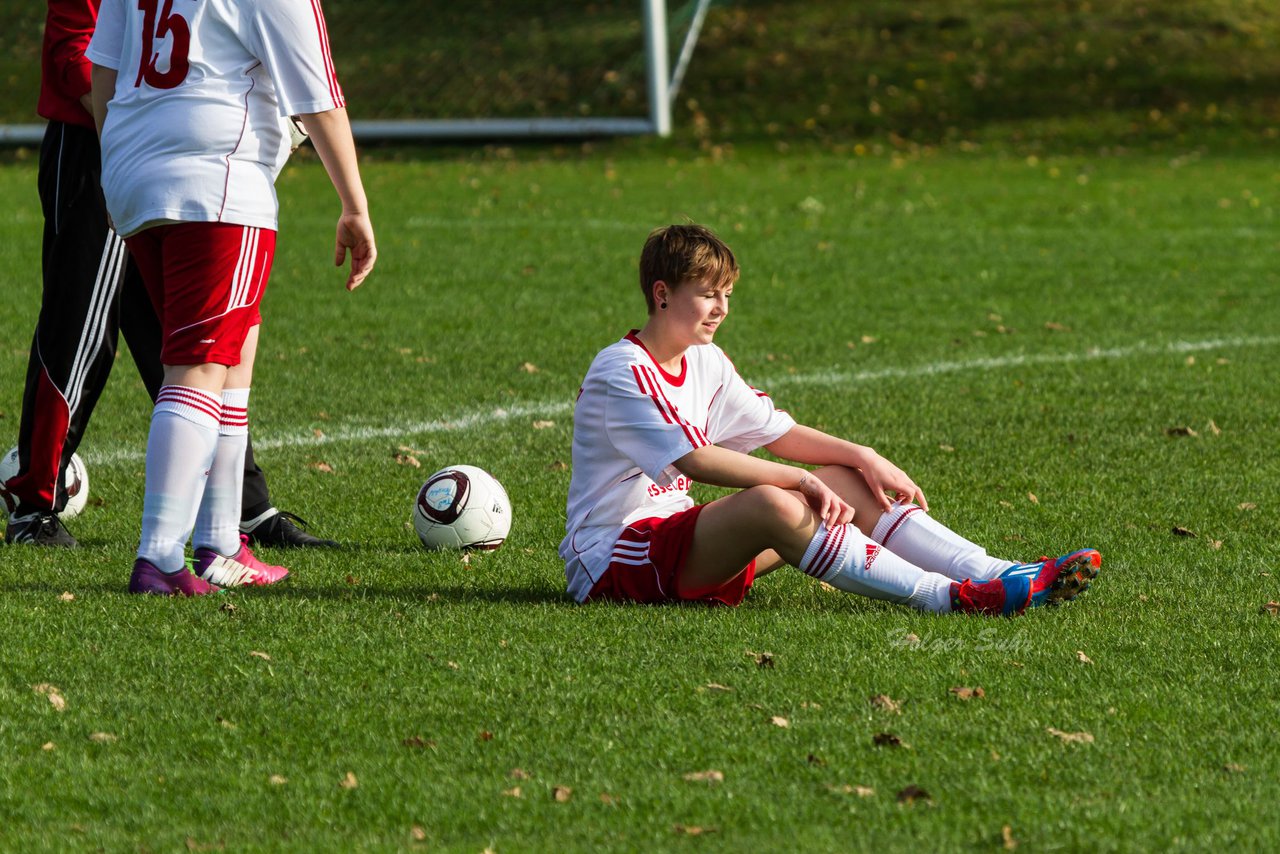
(64, 70)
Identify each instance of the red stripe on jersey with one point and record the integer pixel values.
(695, 436)
(335, 91)
(641, 382)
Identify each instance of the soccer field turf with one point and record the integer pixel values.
(1063, 352)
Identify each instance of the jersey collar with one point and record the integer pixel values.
(675, 379)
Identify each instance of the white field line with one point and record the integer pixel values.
(479, 418)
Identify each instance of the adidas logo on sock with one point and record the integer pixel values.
(872, 552)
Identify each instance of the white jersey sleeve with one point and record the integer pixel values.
(107, 44)
(292, 41)
(743, 418)
(645, 426)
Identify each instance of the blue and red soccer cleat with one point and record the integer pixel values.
(1049, 581)
(148, 578)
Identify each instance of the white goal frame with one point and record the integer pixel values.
(663, 87)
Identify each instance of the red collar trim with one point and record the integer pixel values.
(676, 380)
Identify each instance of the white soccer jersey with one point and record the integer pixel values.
(631, 422)
(193, 131)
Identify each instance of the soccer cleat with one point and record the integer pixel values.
(148, 578)
(41, 528)
(1029, 585)
(236, 571)
(285, 530)
(1074, 572)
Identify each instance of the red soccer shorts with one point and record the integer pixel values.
(206, 281)
(649, 556)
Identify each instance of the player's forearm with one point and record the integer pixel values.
(718, 466)
(103, 87)
(803, 444)
(330, 133)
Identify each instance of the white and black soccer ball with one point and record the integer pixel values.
(76, 477)
(462, 507)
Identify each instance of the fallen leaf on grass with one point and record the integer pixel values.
(710, 776)
(885, 703)
(1180, 431)
(194, 845)
(779, 721)
(717, 688)
(561, 794)
(55, 696)
(1272, 608)
(1180, 531)
(258, 654)
(519, 774)
(558, 465)
(543, 425)
(408, 460)
(1082, 658)
(349, 781)
(763, 659)
(1233, 768)
(815, 759)
(966, 693)
(1006, 837)
(102, 737)
(950, 449)
(321, 467)
(529, 368)
(513, 792)
(417, 742)
(485, 735)
(1071, 737)
(886, 739)
(1053, 326)
(1247, 505)
(418, 832)
(1031, 496)
(846, 789)
(48, 745)
(67, 596)
(1214, 428)
(692, 829)
(277, 779)
(913, 793)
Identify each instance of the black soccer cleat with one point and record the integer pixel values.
(284, 530)
(41, 528)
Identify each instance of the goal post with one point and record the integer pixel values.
(480, 70)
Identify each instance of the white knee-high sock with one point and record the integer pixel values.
(846, 559)
(180, 448)
(218, 522)
(926, 542)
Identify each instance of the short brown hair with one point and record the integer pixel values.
(676, 254)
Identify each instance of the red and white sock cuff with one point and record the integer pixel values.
(891, 521)
(827, 551)
(235, 412)
(193, 404)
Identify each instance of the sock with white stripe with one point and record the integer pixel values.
(218, 522)
(915, 535)
(846, 559)
(180, 449)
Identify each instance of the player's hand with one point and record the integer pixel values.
(831, 508)
(884, 477)
(355, 234)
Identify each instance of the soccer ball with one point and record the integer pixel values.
(462, 507)
(76, 478)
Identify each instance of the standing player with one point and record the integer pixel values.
(188, 97)
(664, 407)
(91, 291)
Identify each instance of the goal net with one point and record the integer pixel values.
(422, 69)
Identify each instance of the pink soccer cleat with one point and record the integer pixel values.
(148, 578)
(236, 571)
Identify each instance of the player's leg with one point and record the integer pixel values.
(74, 344)
(756, 522)
(912, 533)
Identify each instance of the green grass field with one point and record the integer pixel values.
(1063, 351)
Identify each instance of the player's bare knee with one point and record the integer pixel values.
(773, 506)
